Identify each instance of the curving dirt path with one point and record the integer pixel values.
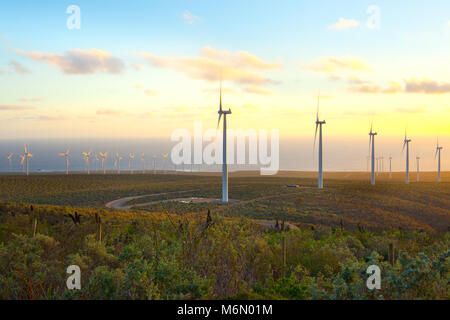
(120, 204)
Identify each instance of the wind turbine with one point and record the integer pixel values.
(66, 155)
(224, 146)
(418, 162)
(10, 156)
(143, 162)
(372, 153)
(319, 125)
(438, 153)
(87, 155)
(406, 143)
(96, 161)
(390, 167)
(164, 156)
(154, 163)
(118, 159)
(130, 162)
(27, 156)
(103, 156)
(22, 161)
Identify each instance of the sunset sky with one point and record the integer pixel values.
(145, 68)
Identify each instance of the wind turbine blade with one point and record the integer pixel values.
(404, 144)
(315, 136)
(218, 122)
(25, 147)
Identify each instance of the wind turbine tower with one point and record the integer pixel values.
(27, 156)
(103, 156)
(418, 162)
(438, 153)
(10, 155)
(224, 146)
(87, 155)
(390, 167)
(406, 143)
(130, 162)
(372, 153)
(319, 126)
(143, 162)
(154, 163)
(66, 155)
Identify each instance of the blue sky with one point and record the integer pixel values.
(412, 43)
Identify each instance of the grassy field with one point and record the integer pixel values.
(170, 250)
(347, 199)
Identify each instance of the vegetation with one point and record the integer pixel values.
(172, 251)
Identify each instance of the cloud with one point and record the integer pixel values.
(5, 107)
(151, 93)
(109, 112)
(411, 110)
(212, 65)
(50, 118)
(78, 61)
(427, 86)
(37, 99)
(344, 24)
(369, 88)
(332, 64)
(257, 90)
(189, 17)
(17, 67)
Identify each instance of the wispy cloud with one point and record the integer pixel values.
(18, 68)
(412, 110)
(109, 112)
(189, 17)
(257, 90)
(427, 86)
(240, 67)
(78, 61)
(151, 93)
(370, 88)
(333, 64)
(6, 107)
(37, 99)
(344, 24)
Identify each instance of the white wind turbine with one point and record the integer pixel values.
(390, 167)
(438, 153)
(27, 156)
(406, 143)
(418, 163)
(22, 161)
(96, 161)
(130, 162)
(164, 157)
(143, 162)
(372, 153)
(87, 155)
(224, 147)
(118, 159)
(103, 155)
(319, 126)
(154, 163)
(66, 155)
(10, 156)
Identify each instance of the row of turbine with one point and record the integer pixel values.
(406, 143)
(100, 156)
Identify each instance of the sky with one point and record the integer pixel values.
(142, 69)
